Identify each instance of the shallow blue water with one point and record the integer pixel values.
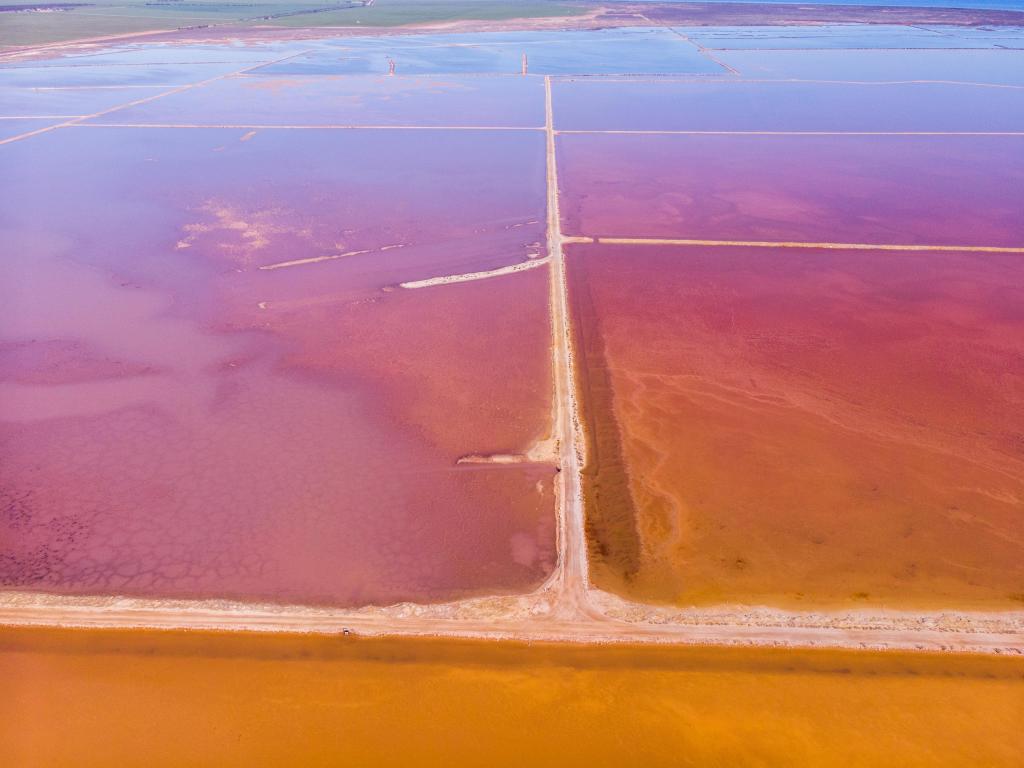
(853, 36)
(9, 128)
(997, 67)
(638, 50)
(155, 75)
(827, 52)
(170, 54)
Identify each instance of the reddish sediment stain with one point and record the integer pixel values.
(803, 427)
(466, 361)
(177, 422)
(928, 190)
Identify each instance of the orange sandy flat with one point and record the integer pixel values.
(120, 698)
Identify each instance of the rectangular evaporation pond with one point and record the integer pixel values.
(153, 54)
(998, 37)
(31, 102)
(843, 36)
(935, 190)
(155, 75)
(351, 100)
(374, 56)
(705, 34)
(17, 126)
(995, 67)
(792, 427)
(644, 50)
(728, 105)
(177, 422)
(611, 51)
